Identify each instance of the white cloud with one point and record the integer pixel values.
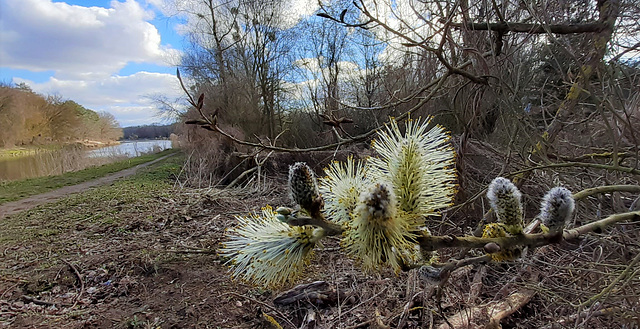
(136, 115)
(86, 47)
(158, 3)
(317, 67)
(126, 97)
(297, 10)
(418, 20)
(287, 13)
(76, 41)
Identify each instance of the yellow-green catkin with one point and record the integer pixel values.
(419, 163)
(264, 251)
(379, 233)
(505, 199)
(341, 188)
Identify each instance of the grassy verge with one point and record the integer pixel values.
(103, 207)
(15, 190)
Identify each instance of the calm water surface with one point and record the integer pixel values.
(131, 149)
(57, 162)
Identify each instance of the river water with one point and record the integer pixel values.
(47, 163)
(131, 149)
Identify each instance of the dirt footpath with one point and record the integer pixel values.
(10, 208)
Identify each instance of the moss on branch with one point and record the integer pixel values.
(430, 243)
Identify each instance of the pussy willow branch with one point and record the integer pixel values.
(602, 189)
(330, 228)
(431, 243)
(601, 225)
(530, 240)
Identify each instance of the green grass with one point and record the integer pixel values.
(109, 207)
(16, 190)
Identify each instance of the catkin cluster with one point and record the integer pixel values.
(382, 203)
(506, 201)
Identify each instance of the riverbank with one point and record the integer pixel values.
(15, 190)
(10, 208)
(22, 151)
(22, 163)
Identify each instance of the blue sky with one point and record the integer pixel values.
(111, 56)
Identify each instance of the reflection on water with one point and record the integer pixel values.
(46, 162)
(131, 149)
(40, 164)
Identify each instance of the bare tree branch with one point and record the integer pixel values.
(606, 189)
(594, 27)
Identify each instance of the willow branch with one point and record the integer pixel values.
(330, 228)
(578, 164)
(627, 271)
(606, 189)
(601, 225)
(431, 243)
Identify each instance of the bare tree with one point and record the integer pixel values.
(29, 118)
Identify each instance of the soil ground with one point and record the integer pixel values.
(142, 253)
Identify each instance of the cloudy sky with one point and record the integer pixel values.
(106, 55)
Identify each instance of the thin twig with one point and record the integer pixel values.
(280, 314)
(560, 323)
(330, 228)
(9, 289)
(36, 301)
(367, 300)
(77, 273)
(194, 251)
(610, 287)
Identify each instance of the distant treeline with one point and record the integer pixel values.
(28, 118)
(148, 132)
